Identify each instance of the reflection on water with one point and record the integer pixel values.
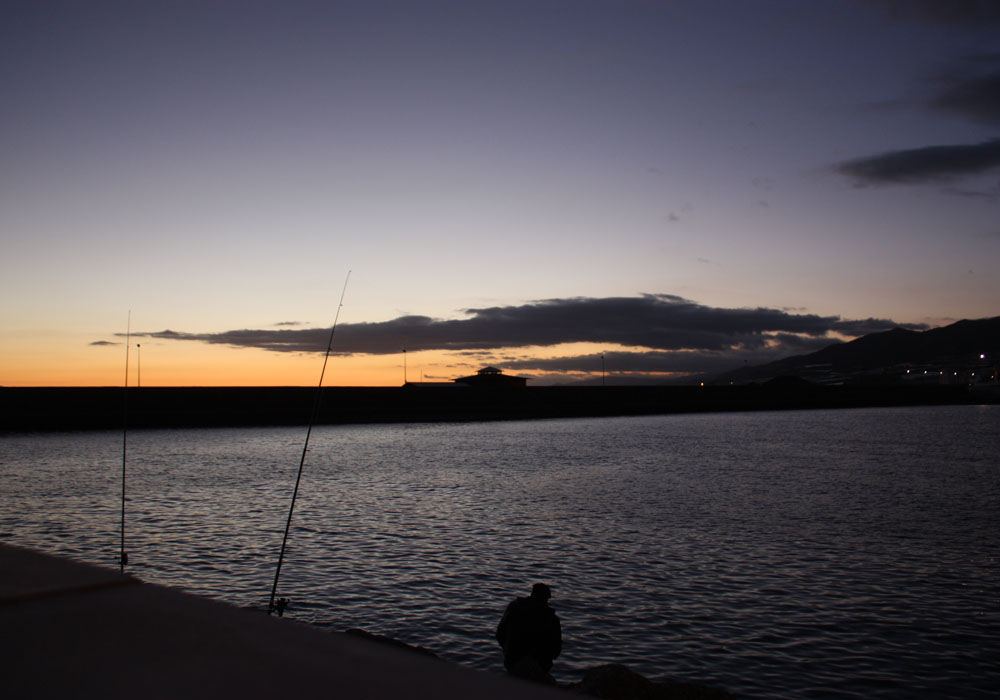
(801, 554)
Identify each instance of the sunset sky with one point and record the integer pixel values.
(679, 186)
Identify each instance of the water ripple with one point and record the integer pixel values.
(826, 554)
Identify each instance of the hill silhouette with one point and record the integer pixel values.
(896, 368)
(959, 349)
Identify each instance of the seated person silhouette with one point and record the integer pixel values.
(530, 636)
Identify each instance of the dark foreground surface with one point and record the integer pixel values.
(33, 409)
(73, 630)
(76, 630)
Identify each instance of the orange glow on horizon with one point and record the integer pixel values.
(168, 363)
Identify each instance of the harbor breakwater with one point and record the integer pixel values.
(97, 408)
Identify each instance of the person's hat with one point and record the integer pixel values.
(540, 590)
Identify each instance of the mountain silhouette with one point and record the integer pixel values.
(960, 347)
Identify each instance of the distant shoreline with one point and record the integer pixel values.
(34, 409)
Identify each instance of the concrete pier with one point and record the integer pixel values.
(74, 630)
(101, 408)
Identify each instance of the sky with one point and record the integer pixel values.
(194, 193)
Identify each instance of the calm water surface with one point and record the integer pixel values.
(821, 554)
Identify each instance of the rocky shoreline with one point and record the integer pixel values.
(607, 681)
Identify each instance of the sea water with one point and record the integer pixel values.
(824, 554)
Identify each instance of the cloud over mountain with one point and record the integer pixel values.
(666, 330)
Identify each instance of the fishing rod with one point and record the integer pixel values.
(282, 602)
(123, 557)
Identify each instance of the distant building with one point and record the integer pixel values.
(492, 377)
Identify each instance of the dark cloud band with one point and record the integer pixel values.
(659, 322)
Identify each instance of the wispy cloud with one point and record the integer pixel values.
(941, 12)
(927, 164)
(976, 97)
(103, 342)
(969, 87)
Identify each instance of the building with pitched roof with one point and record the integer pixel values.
(491, 377)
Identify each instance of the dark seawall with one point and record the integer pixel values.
(94, 408)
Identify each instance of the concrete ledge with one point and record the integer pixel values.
(100, 408)
(76, 630)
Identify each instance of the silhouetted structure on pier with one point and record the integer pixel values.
(492, 377)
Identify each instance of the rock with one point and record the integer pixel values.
(530, 670)
(617, 682)
(609, 682)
